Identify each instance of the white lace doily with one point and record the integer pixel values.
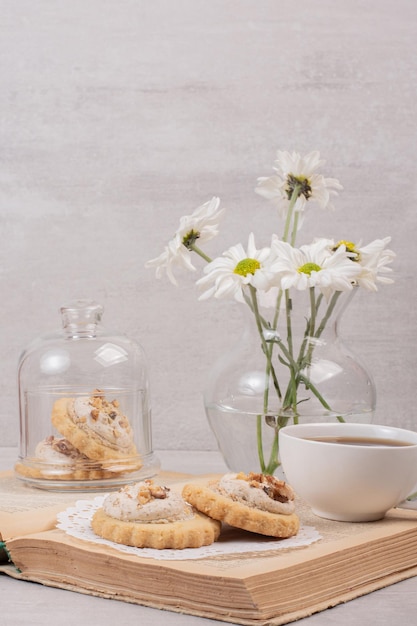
(76, 521)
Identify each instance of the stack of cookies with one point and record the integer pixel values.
(96, 442)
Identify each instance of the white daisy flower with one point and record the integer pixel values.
(201, 225)
(292, 169)
(372, 259)
(313, 265)
(229, 274)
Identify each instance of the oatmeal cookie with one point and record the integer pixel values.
(96, 427)
(254, 502)
(57, 459)
(146, 515)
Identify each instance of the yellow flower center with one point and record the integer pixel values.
(307, 268)
(247, 266)
(350, 247)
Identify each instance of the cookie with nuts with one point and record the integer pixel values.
(146, 515)
(96, 427)
(254, 502)
(56, 458)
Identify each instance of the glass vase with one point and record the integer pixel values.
(294, 368)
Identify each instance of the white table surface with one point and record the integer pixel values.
(24, 603)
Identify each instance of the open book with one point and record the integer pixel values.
(246, 580)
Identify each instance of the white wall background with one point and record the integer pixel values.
(119, 116)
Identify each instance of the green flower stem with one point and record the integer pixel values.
(269, 370)
(328, 313)
(318, 301)
(259, 443)
(290, 399)
(267, 348)
(309, 385)
(273, 457)
(290, 214)
(199, 251)
(294, 196)
(302, 360)
(277, 309)
(291, 395)
(304, 343)
(295, 228)
(288, 309)
(311, 332)
(318, 395)
(312, 323)
(267, 345)
(274, 327)
(264, 323)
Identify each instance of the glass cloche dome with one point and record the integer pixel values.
(85, 415)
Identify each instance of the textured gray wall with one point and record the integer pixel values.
(119, 116)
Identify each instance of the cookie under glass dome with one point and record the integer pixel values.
(85, 415)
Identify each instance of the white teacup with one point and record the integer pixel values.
(357, 475)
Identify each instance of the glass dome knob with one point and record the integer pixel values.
(81, 317)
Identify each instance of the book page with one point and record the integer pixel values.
(25, 510)
(16, 497)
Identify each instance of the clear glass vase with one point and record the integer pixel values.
(295, 370)
(85, 414)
